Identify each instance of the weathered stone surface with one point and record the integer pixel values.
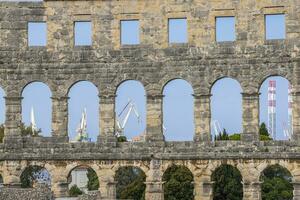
(250, 60)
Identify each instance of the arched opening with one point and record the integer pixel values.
(227, 183)
(2, 114)
(276, 109)
(130, 183)
(36, 110)
(178, 183)
(130, 111)
(82, 179)
(178, 111)
(33, 175)
(83, 109)
(276, 183)
(226, 110)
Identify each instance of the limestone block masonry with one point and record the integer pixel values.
(154, 62)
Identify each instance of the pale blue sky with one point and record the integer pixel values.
(178, 101)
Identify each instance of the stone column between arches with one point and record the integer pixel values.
(202, 117)
(154, 118)
(13, 120)
(250, 117)
(60, 117)
(154, 182)
(107, 119)
(296, 117)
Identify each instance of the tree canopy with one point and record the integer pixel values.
(130, 183)
(276, 183)
(178, 183)
(227, 183)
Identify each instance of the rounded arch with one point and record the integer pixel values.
(81, 179)
(83, 105)
(37, 108)
(131, 100)
(276, 108)
(186, 81)
(178, 182)
(222, 78)
(272, 72)
(276, 183)
(130, 182)
(70, 85)
(226, 109)
(178, 111)
(33, 174)
(227, 183)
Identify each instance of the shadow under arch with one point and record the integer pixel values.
(226, 108)
(131, 100)
(275, 107)
(83, 102)
(178, 183)
(37, 105)
(276, 183)
(227, 183)
(33, 174)
(178, 110)
(81, 179)
(130, 182)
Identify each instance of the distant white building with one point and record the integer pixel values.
(79, 177)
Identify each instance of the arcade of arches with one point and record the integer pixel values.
(250, 176)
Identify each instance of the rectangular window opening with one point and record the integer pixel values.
(275, 26)
(225, 29)
(37, 34)
(83, 33)
(130, 32)
(178, 31)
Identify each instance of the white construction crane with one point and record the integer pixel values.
(127, 110)
(217, 128)
(286, 131)
(32, 122)
(82, 135)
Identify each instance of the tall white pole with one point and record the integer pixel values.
(272, 108)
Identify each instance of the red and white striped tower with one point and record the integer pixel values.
(272, 108)
(290, 114)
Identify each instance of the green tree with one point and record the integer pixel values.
(222, 135)
(227, 183)
(93, 182)
(276, 183)
(130, 183)
(27, 131)
(178, 183)
(29, 175)
(263, 132)
(75, 191)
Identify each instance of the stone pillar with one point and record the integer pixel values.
(107, 186)
(154, 183)
(252, 191)
(11, 173)
(59, 182)
(111, 190)
(296, 192)
(203, 190)
(296, 117)
(107, 119)
(250, 117)
(202, 117)
(154, 118)
(13, 120)
(60, 117)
